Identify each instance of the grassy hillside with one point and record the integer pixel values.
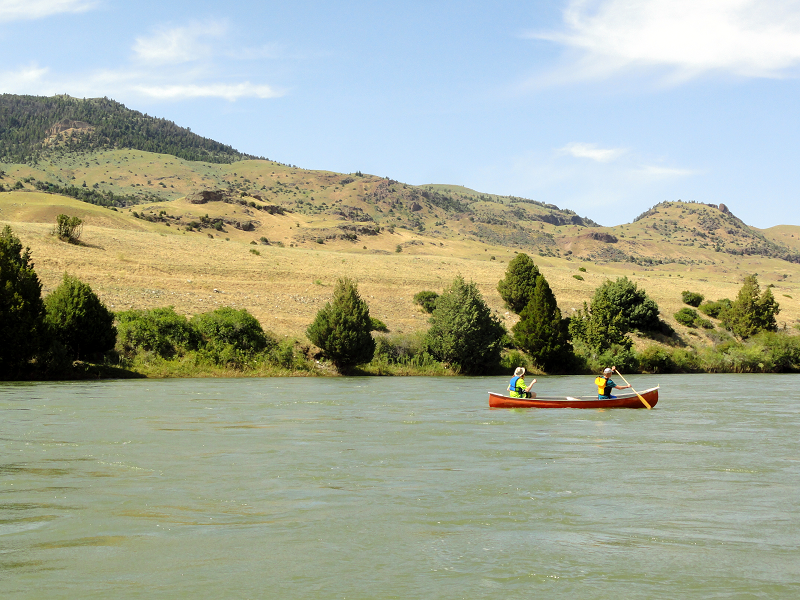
(135, 263)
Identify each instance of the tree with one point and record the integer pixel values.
(517, 287)
(463, 330)
(540, 331)
(161, 331)
(752, 311)
(617, 308)
(21, 307)
(342, 327)
(79, 320)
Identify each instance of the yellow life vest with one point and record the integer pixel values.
(601, 383)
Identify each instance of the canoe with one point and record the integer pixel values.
(627, 400)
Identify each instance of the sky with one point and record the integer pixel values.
(604, 107)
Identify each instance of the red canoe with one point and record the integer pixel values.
(628, 400)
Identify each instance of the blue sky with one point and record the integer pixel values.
(606, 107)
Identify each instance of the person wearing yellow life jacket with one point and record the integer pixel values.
(605, 384)
(516, 386)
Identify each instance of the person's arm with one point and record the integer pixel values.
(528, 389)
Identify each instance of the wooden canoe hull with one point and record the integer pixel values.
(628, 400)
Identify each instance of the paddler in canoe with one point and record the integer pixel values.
(605, 384)
(516, 386)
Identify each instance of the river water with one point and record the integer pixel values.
(398, 488)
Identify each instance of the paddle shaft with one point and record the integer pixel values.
(634, 391)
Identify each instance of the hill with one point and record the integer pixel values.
(36, 127)
(167, 228)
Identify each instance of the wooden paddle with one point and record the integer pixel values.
(634, 391)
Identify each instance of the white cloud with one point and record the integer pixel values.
(23, 81)
(22, 10)
(662, 172)
(753, 38)
(179, 44)
(592, 151)
(229, 92)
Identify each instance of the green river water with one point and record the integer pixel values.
(398, 488)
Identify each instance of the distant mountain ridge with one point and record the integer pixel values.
(36, 126)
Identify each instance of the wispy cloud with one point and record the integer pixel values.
(662, 172)
(179, 44)
(592, 151)
(216, 90)
(752, 38)
(25, 10)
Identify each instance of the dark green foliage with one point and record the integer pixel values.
(752, 311)
(426, 299)
(687, 316)
(378, 325)
(161, 331)
(79, 320)
(691, 298)
(21, 306)
(92, 196)
(617, 308)
(516, 288)
(541, 331)
(342, 327)
(236, 329)
(26, 120)
(68, 229)
(463, 330)
(713, 309)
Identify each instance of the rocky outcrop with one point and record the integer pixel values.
(207, 196)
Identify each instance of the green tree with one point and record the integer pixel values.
(541, 332)
(463, 330)
(21, 306)
(68, 229)
(77, 318)
(342, 327)
(517, 287)
(752, 311)
(617, 308)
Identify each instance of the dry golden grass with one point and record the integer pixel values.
(135, 264)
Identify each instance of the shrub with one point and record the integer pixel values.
(578, 277)
(378, 325)
(237, 329)
(691, 298)
(68, 229)
(463, 330)
(161, 331)
(77, 318)
(713, 309)
(21, 307)
(687, 316)
(426, 299)
(655, 359)
(342, 327)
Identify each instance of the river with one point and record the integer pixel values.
(403, 488)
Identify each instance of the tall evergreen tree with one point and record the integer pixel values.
(342, 328)
(517, 287)
(21, 306)
(541, 332)
(752, 311)
(463, 330)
